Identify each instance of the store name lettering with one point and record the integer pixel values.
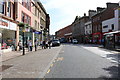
(4, 23)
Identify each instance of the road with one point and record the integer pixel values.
(74, 61)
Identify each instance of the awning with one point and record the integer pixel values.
(112, 32)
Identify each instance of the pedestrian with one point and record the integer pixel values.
(46, 44)
(43, 44)
(20, 45)
(49, 44)
(36, 44)
(30, 45)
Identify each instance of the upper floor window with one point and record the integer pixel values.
(119, 13)
(2, 7)
(27, 4)
(105, 26)
(26, 18)
(35, 11)
(112, 26)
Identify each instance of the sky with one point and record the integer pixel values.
(63, 12)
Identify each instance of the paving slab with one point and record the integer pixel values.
(31, 65)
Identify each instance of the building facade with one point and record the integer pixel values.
(31, 13)
(8, 27)
(65, 32)
(88, 27)
(101, 15)
(111, 30)
(79, 28)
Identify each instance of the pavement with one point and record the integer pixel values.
(12, 54)
(31, 65)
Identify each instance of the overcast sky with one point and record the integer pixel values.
(63, 12)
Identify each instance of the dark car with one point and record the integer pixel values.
(55, 42)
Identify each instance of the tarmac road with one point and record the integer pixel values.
(76, 62)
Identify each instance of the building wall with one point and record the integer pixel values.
(21, 9)
(88, 27)
(64, 31)
(79, 28)
(107, 25)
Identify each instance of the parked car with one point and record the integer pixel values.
(62, 40)
(74, 41)
(55, 42)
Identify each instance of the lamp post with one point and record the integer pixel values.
(24, 28)
(23, 42)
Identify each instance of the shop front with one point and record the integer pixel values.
(8, 30)
(112, 40)
(97, 38)
(88, 39)
(37, 36)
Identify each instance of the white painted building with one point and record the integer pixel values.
(88, 28)
(113, 23)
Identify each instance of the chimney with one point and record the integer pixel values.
(84, 14)
(91, 13)
(99, 9)
(112, 5)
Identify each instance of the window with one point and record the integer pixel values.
(105, 26)
(23, 16)
(119, 13)
(38, 26)
(9, 9)
(112, 26)
(35, 24)
(35, 11)
(27, 4)
(38, 14)
(26, 18)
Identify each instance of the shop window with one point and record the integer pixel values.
(112, 26)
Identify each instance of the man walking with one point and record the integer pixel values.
(30, 45)
(36, 43)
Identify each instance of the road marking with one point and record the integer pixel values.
(51, 65)
(60, 58)
(48, 71)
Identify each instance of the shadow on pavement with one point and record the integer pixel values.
(115, 57)
(114, 72)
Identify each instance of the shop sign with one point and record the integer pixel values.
(12, 26)
(4, 24)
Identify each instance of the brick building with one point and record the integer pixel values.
(65, 32)
(101, 15)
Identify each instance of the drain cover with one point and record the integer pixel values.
(4, 67)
